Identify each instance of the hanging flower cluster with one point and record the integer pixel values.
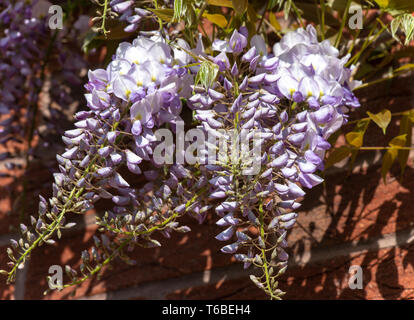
(132, 13)
(129, 13)
(29, 49)
(19, 48)
(139, 91)
(272, 114)
(294, 99)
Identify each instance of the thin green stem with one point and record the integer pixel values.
(126, 241)
(395, 114)
(297, 12)
(322, 3)
(344, 18)
(75, 193)
(367, 42)
(384, 148)
(263, 253)
(105, 12)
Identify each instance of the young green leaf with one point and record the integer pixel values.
(240, 6)
(273, 21)
(165, 15)
(207, 74)
(391, 154)
(355, 139)
(387, 161)
(217, 19)
(398, 141)
(410, 115)
(382, 119)
(337, 155)
(382, 3)
(405, 22)
(405, 128)
(180, 7)
(221, 3)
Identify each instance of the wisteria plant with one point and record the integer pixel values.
(266, 94)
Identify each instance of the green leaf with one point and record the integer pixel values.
(382, 3)
(382, 119)
(398, 141)
(207, 73)
(286, 8)
(89, 41)
(217, 19)
(400, 6)
(273, 21)
(405, 128)
(221, 3)
(165, 15)
(355, 139)
(410, 115)
(407, 66)
(391, 154)
(340, 5)
(251, 14)
(337, 155)
(179, 10)
(404, 22)
(240, 6)
(272, 4)
(387, 161)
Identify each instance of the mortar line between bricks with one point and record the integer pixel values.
(160, 289)
(323, 253)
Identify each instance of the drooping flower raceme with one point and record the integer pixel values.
(129, 13)
(295, 99)
(19, 50)
(132, 13)
(139, 91)
(268, 116)
(28, 49)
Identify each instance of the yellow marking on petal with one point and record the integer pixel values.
(139, 83)
(153, 78)
(321, 93)
(162, 60)
(309, 93)
(138, 117)
(127, 92)
(292, 91)
(135, 61)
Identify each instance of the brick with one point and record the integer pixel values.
(354, 208)
(180, 255)
(387, 274)
(234, 289)
(6, 291)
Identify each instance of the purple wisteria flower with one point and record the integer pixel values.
(30, 55)
(295, 98)
(132, 12)
(19, 51)
(139, 91)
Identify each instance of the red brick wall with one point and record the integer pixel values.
(353, 219)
